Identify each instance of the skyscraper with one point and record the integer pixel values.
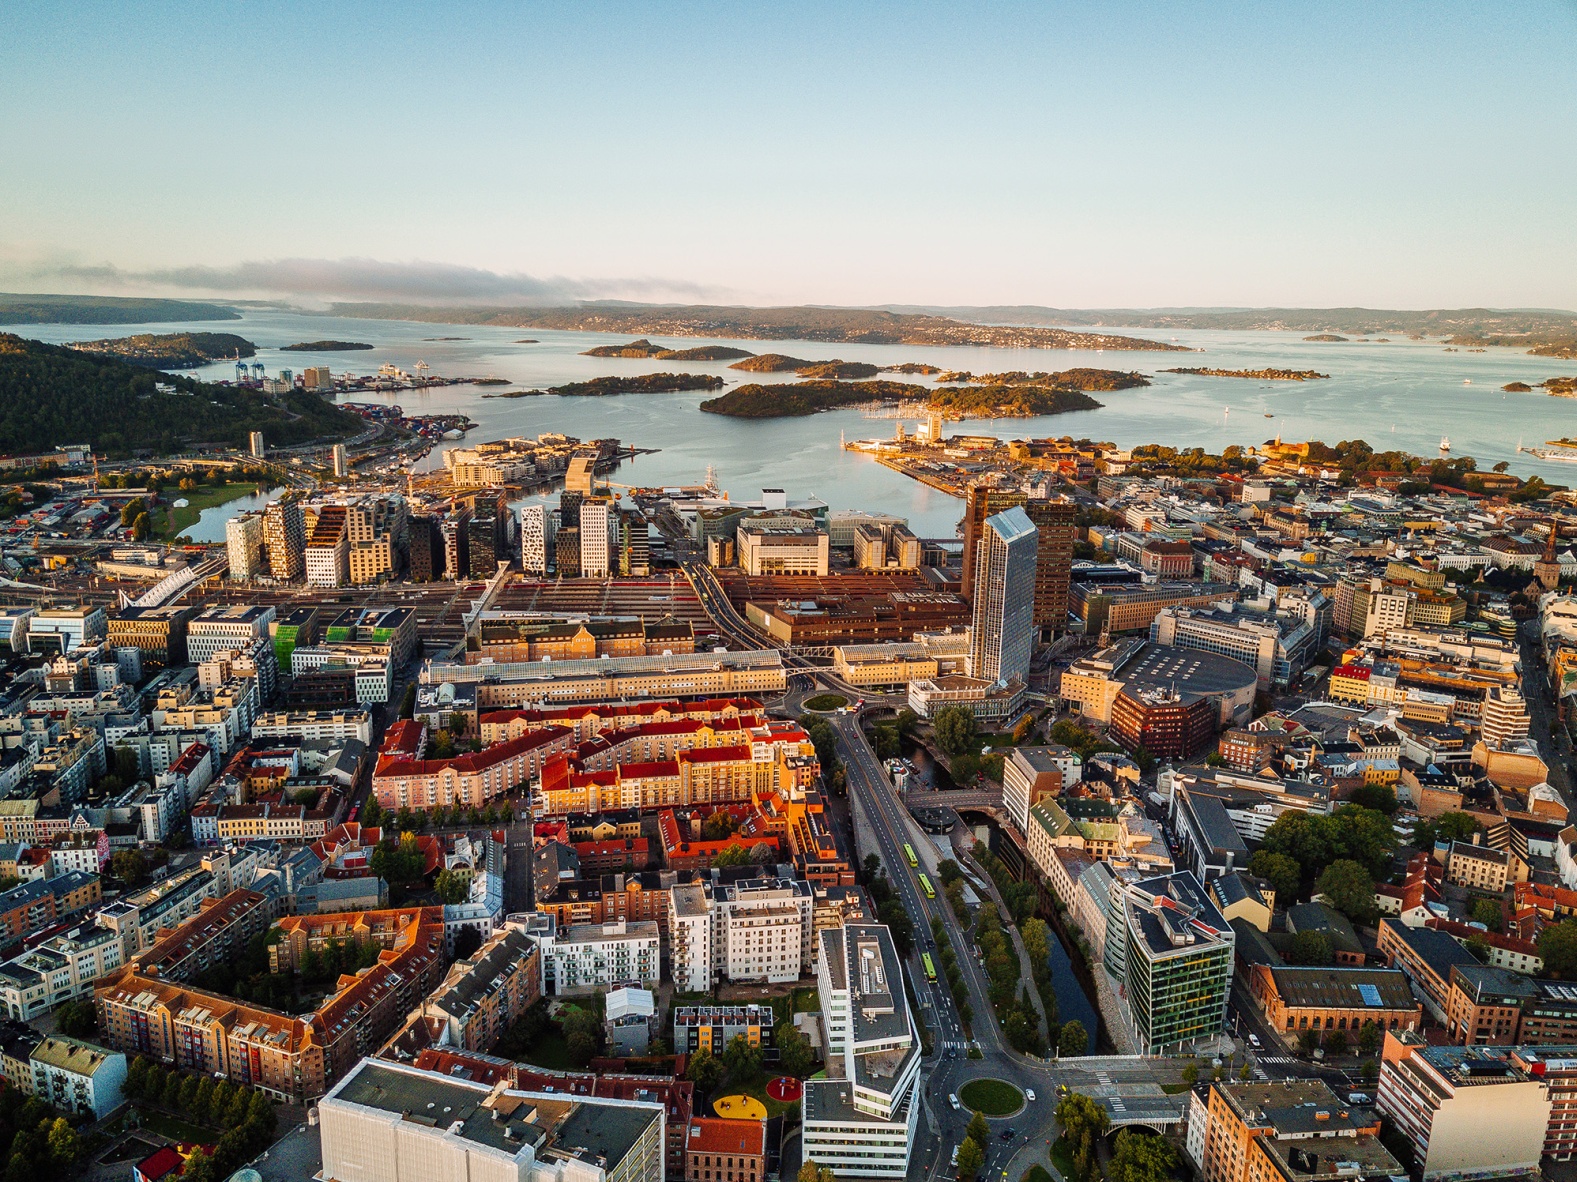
(341, 461)
(635, 553)
(1055, 531)
(285, 535)
(457, 543)
(536, 538)
(244, 541)
(1003, 634)
(596, 531)
(980, 503)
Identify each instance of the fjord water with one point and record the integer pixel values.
(1401, 394)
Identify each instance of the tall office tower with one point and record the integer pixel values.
(980, 504)
(596, 528)
(569, 509)
(1055, 531)
(285, 535)
(566, 552)
(426, 558)
(328, 549)
(255, 445)
(635, 550)
(1003, 634)
(244, 540)
(341, 461)
(489, 544)
(457, 544)
(537, 528)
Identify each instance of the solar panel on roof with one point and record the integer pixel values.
(1370, 995)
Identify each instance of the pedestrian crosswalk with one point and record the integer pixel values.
(1276, 1060)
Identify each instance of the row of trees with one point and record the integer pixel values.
(889, 908)
(972, 1150)
(408, 820)
(245, 1116)
(1015, 1014)
(825, 740)
(43, 1144)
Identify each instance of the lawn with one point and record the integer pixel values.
(994, 1097)
(757, 1086)
(1062, 1159)
(826, 702)
(551, 1052)
(1036, 1174)
(171, 523)
(166, 1126)
(807, 1001)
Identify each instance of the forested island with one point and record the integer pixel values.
(324, 346)
(875, 326)
(792, 399)
(1264, 375)
(645, 383)
(173, 350)
(834, 370)
(82, 309)
(1325, 336)
(912, 367)
(645, 348)
(52, 395)
(772, 363)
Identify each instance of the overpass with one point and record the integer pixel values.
(958, 798)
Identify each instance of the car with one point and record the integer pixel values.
(955, 1156)
(952, 1098)
(1007, 1134)
(1029, 1094)
(1253, 1041)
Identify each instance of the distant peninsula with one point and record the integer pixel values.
(1326, 336)
(875, 326)
(1264, 375)
(324, 346)
(174, 350)
(1067, 379)
(85, 309)
(794, 399)
(645, 348)
(834, 370)
(645, 383)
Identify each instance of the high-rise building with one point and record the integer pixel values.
(317, 379)
(341, 462)
(1505, 716)
(488, 532)
(1002, 637)
(566, 552)
(980, 503)
(537, 528)
(328, 549)
(1055, 531)
(285, 535)
(255, 445)
(635, 554)
(244, 542)
(581, 476)
(1176, 961)
(457, 543)
(569, 509)
(596, 529)
(426, 555)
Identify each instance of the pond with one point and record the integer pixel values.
(210, 526)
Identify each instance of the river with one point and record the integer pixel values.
(1401, 394)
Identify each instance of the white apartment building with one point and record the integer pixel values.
(61, 968)
(589, 956)
(690, 938)
(1386, 609)
(328, 562)
(244, 544)
(538, 528)
(314, 724)
(77, 1076)
(223, 629)
(861, 1119)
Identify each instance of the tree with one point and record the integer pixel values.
(1073, 1039)
(763, 853)
(1558, 946)
(731, 855)
(955, 728)
(200, 1168)
(1370, 1039)
(970, 1160)
(900, 924)
(1380, 797)
(1191, 1074)
(978, 1131)
(719, 824)
(371, 814)
(1488, 913)
(1037, 944)
(947, 870)
(811, 1172)
(795, 1055)
(706, 1072)
(873, 866)
(1141, 1157)
(1280, 871)
(451, 887)
(1308, 1041)
(1446, 827)
(1335, 1042)
(742, 1058)
(1349, 887)
(1310, 948)
(76, 1019)
(64, 1144)
(18, 1169)
(129, 866)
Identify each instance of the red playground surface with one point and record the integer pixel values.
(785, 1089)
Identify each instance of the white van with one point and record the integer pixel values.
(952, 1098)
(955, 1157)
(1029, 1094)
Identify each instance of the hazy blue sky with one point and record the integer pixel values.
(1391, 154)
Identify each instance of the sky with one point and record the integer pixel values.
(1115, 154)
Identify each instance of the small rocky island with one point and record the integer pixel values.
(1326, 336)
(1517, 388)
(1264, 375)
(646, 383)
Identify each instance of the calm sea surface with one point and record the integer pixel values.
(1401, 394)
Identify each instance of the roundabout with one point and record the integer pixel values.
(992, 1098)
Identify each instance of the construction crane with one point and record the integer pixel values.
(422, 370)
